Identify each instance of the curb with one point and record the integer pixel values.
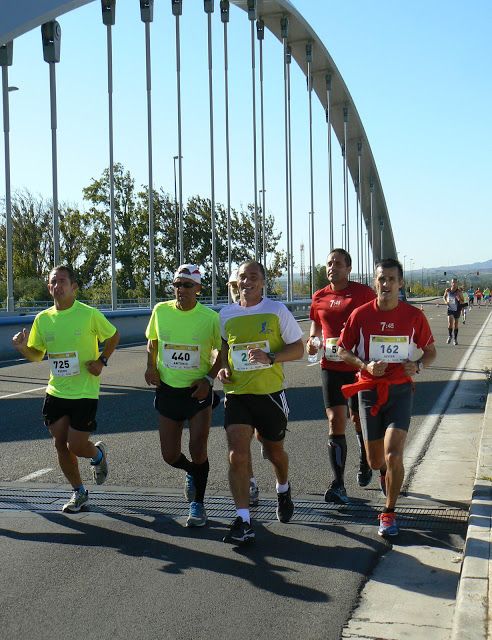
(472, 618)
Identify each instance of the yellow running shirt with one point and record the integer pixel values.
(186, 340)
(269, 325)
(71, 339)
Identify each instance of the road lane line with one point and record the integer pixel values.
(35, 474)
(19, 393)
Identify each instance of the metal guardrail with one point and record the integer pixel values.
(124, 303)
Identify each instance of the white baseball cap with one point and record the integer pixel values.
(188, 272)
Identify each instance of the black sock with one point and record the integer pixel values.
(337, 456)
(183, 463)
(362, 449)
(455, 333)
(389, 510)
(450, 331)
(200, 476)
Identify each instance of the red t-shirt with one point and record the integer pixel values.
(390, 336)
(330, 309)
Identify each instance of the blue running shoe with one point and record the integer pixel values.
(198, 515)
(189, 488)
(387, 525)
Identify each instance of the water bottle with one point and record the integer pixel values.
(315, 342)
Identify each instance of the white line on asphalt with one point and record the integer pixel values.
(19, 393)
(35, 474)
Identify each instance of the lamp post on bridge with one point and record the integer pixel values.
(6, 58)
(176, 212)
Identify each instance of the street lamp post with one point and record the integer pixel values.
(176, 211)
(263, 225)
(6, 55)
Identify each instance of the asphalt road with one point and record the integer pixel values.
(146, 576)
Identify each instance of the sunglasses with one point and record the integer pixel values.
(185, 285)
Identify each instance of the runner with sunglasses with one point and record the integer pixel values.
(183, 345)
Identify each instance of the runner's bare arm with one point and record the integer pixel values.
(96, 366)
(224, 374)
(315, 332)
(19, 342)
(375, 368)
(292, 351)
(152, 374)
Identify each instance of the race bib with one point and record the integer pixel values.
(239, 355)
(331, 350)
(64, 365)
(452, 303)
(181, 356)
(388, 348)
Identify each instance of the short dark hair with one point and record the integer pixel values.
(390, 263)
(258, 264)
(64, 267)
(345, 254)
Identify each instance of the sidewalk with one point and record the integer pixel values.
(417, 591)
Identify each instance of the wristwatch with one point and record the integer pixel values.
(210, 380)
(420, 366)
(271, 357)
(104, 360)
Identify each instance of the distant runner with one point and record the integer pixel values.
(453, 297)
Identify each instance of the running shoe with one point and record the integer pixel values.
(100, 471)
(254, 495)
(364, 475)
(455, 342)
(240, 532)
(387, 525)
(189, 488)
(337, 494)
(448, 341)
(382, 482)
(285, 506)
(76, 502)
(197, 516)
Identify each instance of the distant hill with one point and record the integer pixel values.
(462, 268)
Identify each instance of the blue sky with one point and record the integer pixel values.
(419, 74)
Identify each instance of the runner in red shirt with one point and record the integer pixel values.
(387, 336)
(330, 309)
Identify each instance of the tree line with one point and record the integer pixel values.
(85, 241)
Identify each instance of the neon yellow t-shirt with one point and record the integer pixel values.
(186, 340)
(71, 339)
(268, 325)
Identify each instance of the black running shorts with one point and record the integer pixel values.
(331, 384)
(396, 412)
(177, 404)
(82, 413)
(456, 314)
(267, 413)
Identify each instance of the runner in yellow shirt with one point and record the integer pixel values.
(69, 333)
(257, 336)
(183, 348)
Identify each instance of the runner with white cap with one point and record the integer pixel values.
(183, 346)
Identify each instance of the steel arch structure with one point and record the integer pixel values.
(22, 17)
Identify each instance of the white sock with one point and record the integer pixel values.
(244, 515)
(282, 488)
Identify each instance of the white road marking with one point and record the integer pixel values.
(19, 393)
(35, 474)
